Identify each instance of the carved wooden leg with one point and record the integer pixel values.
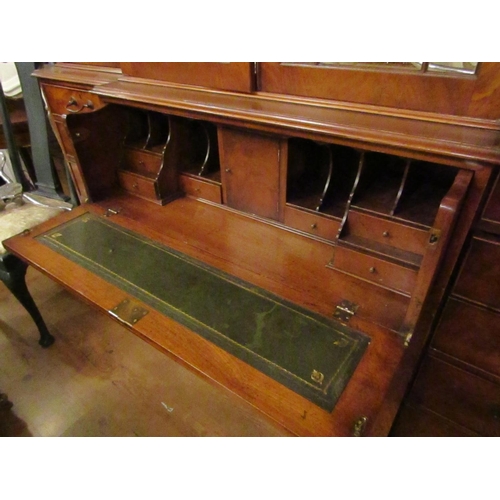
(13, 276)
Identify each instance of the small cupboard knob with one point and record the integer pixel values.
(372, 270)
(385, 234)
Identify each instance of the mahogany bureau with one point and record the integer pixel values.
(325, 250)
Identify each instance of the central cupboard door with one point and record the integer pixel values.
(253, 170)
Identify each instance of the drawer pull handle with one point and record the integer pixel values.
(372, 270)
(385, 234)
(73, 102)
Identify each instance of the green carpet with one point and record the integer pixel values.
(308, 353)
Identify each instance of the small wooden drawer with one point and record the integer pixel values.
(200, 188)
(311, 223)
(464, 398)
(64, 101)
(479, 278)
(142, 162)
(379, 271)
(369, 302)
(139, 185)
(470, 333)
(387, 232)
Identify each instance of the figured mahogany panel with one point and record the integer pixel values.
(250, 169)
(463, 95)
(236, 76)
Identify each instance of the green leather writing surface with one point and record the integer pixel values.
(308, 353)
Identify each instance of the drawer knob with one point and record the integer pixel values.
(134, 185)
(314, 225)
(386, 234)
(228, 170)
(372, 270)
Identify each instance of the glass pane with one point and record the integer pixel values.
(467, 68)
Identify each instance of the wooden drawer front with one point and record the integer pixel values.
(419, 422)
(65, 101)
(374, 304)
(470, 333)
(136, 184)
(387, 232)
(200, 188)
(455, 394)
(479, 278)
(376, 270)
(142, 162)
(311, 223)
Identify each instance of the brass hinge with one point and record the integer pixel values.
(128, 311)
(345, 311)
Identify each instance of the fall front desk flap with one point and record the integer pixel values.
(306, 352)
